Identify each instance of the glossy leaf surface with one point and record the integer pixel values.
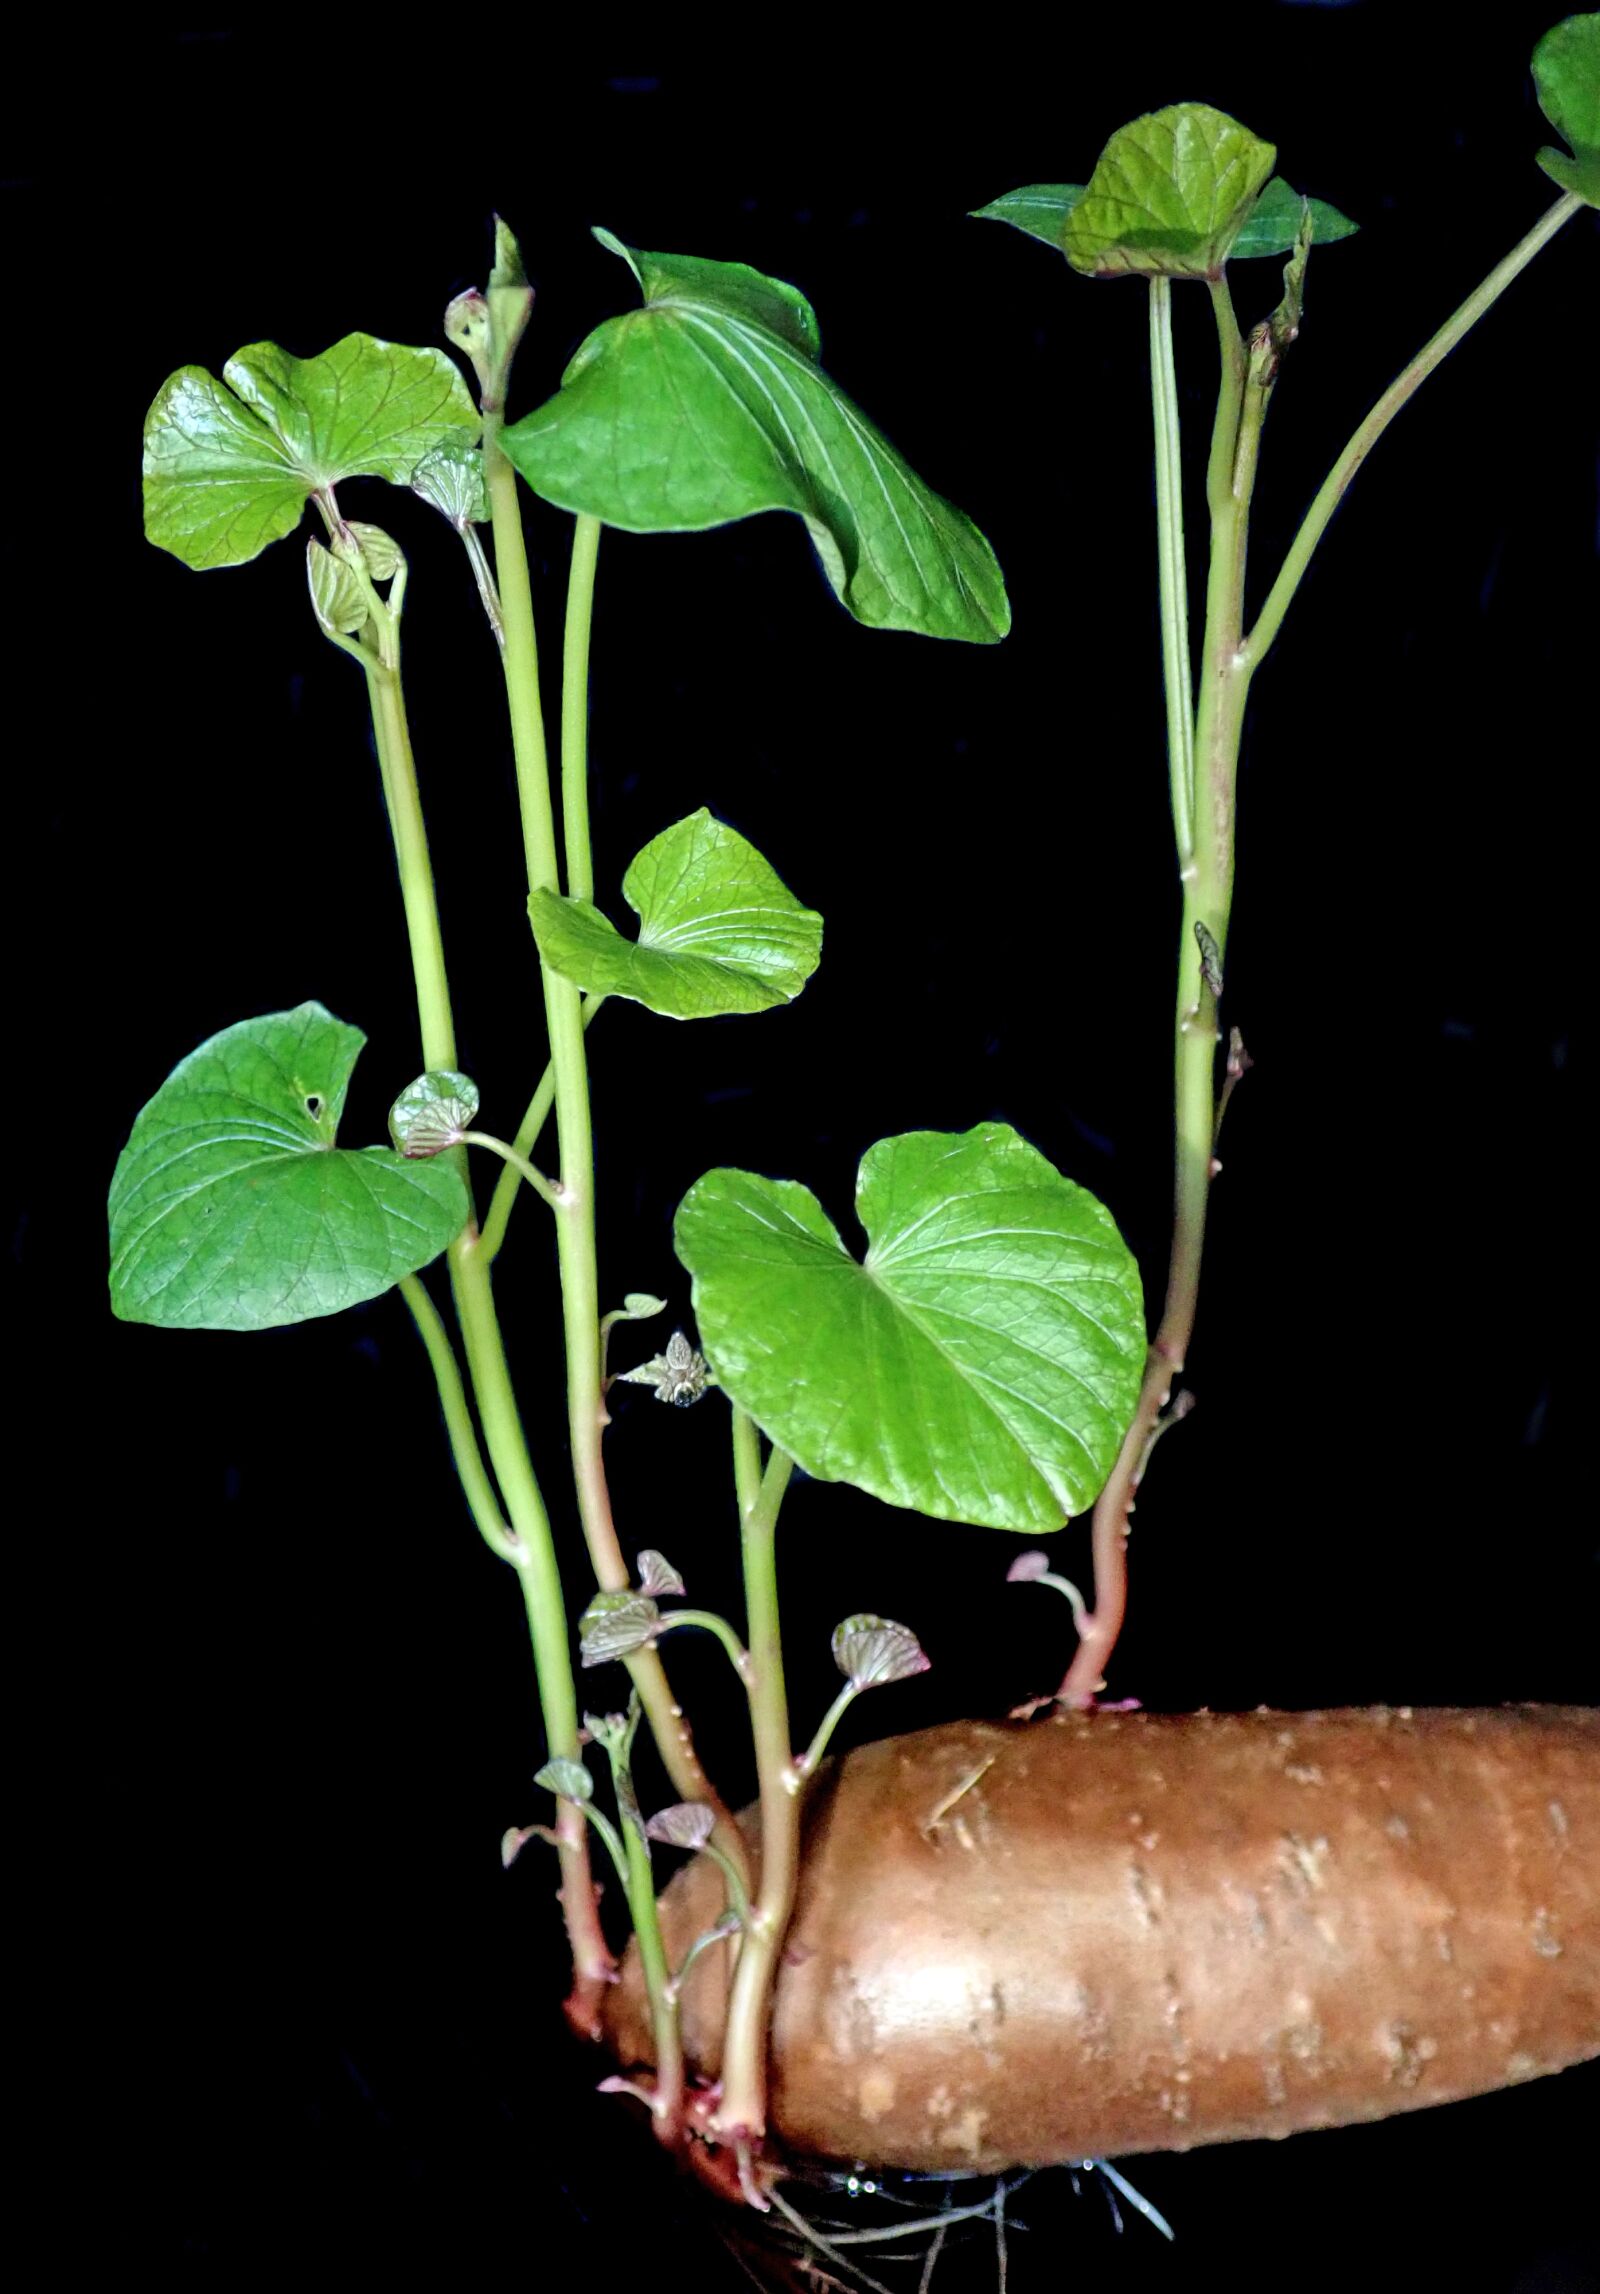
(1566, 73)
(983, 1361)
(1040, 209)
(873, 1651)
(233, 1209)
(718, 930)
(708, 405)
(1168, 195)
(229, 466)
(450, 480)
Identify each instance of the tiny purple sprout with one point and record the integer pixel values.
(687, 1824)
(872, 1651)
(657, 1575)
(1028, 1568)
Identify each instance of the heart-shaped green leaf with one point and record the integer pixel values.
(1040, 209)
(708, 405)
(229, 466)
(337, 598)
(1273, 223)
(231, 1207)
(1168, 196)
(1566, 73)
(983, 1361)
(718, 930)
(450, 480)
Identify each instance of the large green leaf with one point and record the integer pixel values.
(718, 930)
(1168, 195)
(229, 466)
(1273, 223)
(983, 1361)
(231, 1206)
(1566, 73)
(708, 405)
(1040, 209)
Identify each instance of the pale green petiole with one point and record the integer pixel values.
(527, 1138)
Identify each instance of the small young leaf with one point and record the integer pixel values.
(431, 1114)
(640, 1306)
(1273, 223)
(872, 1651)
(689, 1824)
(450, 480)
(718, 930)
(382, 552)
(1040, 209)
(336, 595)
(614, 1625)
(614, 1732)
(981, 1364)
(229, 466)
(568, 1779)
(1028, 1568)
(231, 1206)
(708, 405)
(657, 1575)
(516, 1837)
(1168, 196)
(1566, 74)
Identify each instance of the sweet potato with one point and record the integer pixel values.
(1102, 1933)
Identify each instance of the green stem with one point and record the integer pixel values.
(1174, 581)
(1206, 874)
(806, 1765)
(742, 2113)
(666, 2103)
(709, 1622)
(746, 1459)
(575, 710)
(496, 1533)
(1315, 522)
(593, 1965)
(509, 1184)
(519, 1164)
(575, 1227)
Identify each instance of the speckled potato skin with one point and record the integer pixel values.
(1017, 1944)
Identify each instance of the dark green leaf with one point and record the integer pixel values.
(718, 931)
(708, 405)
(229, 466)
(1566, 73)
(1040, 209)
(1273, 223)
(431, 1114)
(981, 1365)
(1168, 195)
(231, 1206)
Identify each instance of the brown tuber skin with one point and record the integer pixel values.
(1017, 1945)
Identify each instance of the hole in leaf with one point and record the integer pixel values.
(313, 1104)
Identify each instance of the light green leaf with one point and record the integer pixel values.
(615, 1625)
(567, 1779)
(229, 466)
(231, 1206)
(381, 551)
(1040, 209)
(1168, 196)
(431, 1114)
(450, 480)
(337, 598)
(718, 930)
(708, 405)
(1273, 223)
(983, 1362)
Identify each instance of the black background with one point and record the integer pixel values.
(287, 1711)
